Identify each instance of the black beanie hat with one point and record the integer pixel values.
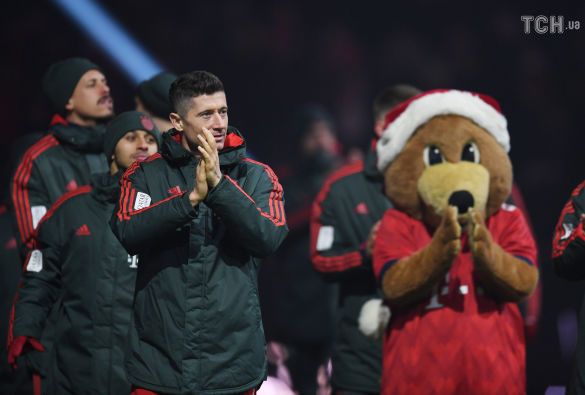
(154, 94)
(61, 79)
(124, 123)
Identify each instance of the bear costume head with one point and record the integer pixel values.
(446, 148)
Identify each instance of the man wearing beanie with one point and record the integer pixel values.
(71, 151)
(152, 97)
(67, 156)
(76, 255)
(202, 216)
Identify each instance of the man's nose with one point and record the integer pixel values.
(142, 144)
(217, 121)
(105, 88)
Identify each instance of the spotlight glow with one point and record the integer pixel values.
(107, 32)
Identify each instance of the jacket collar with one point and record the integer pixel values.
(233, 150)
(83, 139)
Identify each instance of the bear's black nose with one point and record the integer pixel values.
(463, 200)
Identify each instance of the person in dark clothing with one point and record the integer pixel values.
(201, 216)
(11, 382)
(344, 220)
(568, 256)
(70, 153)
(66, 158)
(78, 258)
(152, 97)
(297, 303)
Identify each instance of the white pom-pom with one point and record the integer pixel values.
(374, 316)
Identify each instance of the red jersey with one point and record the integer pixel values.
(459, 340)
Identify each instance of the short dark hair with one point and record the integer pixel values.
(392, 96)
(191, 85)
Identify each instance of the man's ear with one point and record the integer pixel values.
(379, 127)
(176, 120)
(69, 104)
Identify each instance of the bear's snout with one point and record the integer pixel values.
(463, 200)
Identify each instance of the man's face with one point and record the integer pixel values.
(91, 98)
(135, 145)
(320, 138)
(203, 111)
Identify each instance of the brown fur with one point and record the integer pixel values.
(413, 278)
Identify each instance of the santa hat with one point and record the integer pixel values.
(404, 119)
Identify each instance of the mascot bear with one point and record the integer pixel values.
(452, 259)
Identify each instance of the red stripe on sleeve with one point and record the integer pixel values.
(240, 189)
(128, 193)
(59, 202)
(134, 212)
(10, 337)
(20, 194)
(275, 203)
(340, 262)
(125, 190)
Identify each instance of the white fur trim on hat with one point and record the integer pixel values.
(422, 109)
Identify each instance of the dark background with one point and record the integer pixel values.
(275, 56)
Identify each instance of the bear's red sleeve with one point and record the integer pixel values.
(510, 230)
(399, 236)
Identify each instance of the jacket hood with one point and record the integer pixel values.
(106, 187)
(234, 148)
(83, 139)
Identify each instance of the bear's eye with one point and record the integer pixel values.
(470, 153)
(432, 155)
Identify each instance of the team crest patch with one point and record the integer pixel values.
(147, 123)
(568, 230)
(325, 238)
(37, 213)
(35, 261)
(142, 201)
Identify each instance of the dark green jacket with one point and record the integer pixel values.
(197, 326)
(61, 161)
(349, 204)
(78, 258)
